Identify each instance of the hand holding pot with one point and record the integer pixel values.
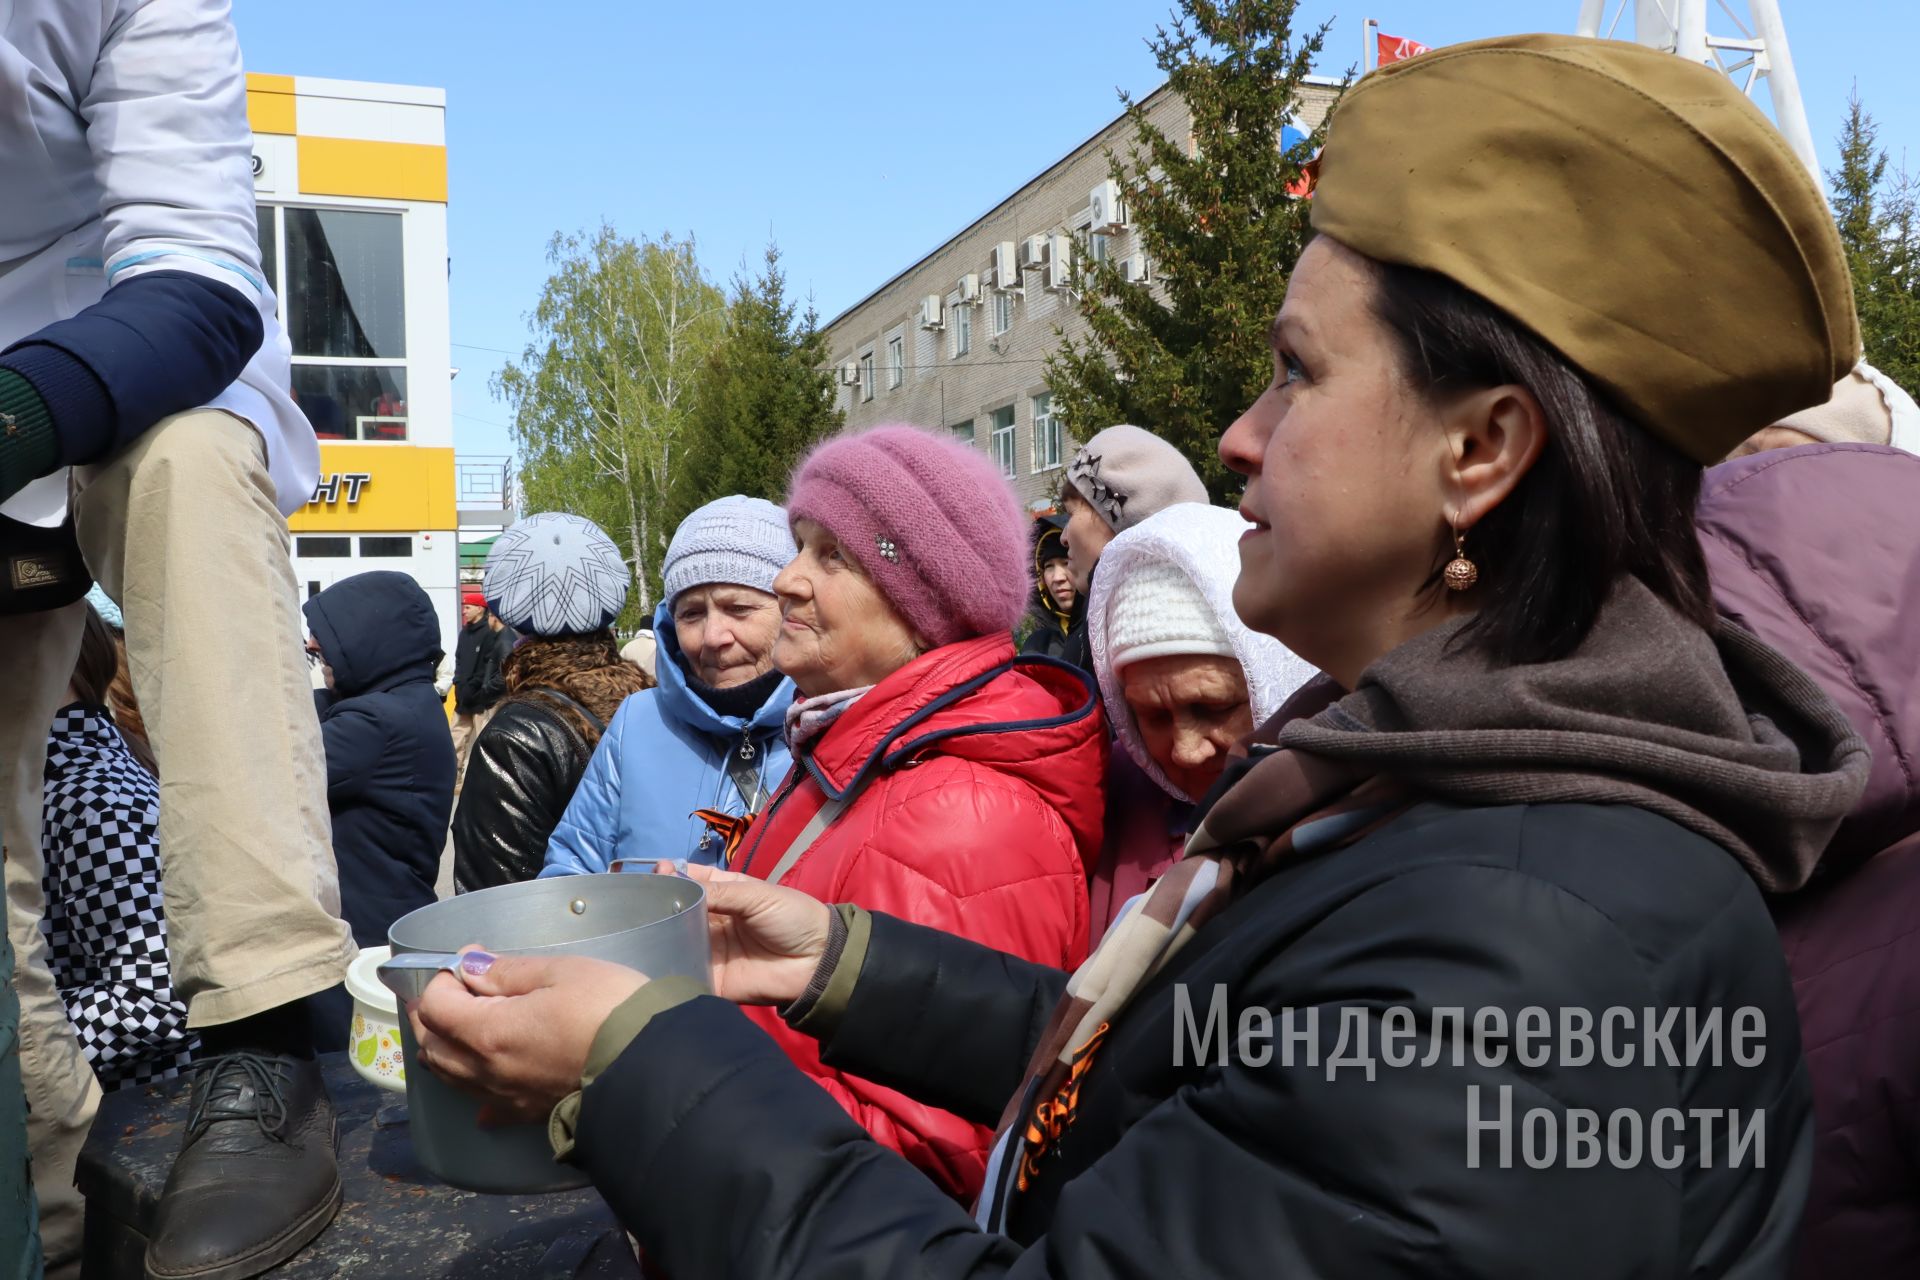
(517, 1029)
(766, 940)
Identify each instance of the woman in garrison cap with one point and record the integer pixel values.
(1465, 970)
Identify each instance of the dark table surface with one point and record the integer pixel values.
(396, 1219)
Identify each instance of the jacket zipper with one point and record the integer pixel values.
(787, 788)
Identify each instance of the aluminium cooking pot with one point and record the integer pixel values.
(656, 924)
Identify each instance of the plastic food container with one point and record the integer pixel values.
(373, 1041)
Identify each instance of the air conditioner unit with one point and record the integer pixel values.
(932, 312)
(850, 374)
(1109, 212)
(1059, 262)
(1006, 265)
(1135, 270)
(970, 287)
(1033, 253)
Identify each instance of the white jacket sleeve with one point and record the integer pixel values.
(166, 115)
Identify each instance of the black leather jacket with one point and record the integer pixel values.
(525, 765)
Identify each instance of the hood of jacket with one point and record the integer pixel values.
(1716, 732)
(1203, 542)
(974, 700)
(1816, 550)
(375, 630)
(680, 702)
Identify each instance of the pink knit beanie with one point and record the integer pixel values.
(929, 519)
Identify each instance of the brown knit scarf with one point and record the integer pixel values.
(1717, 733)
(588, 669)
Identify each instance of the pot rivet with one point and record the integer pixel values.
(578, 906)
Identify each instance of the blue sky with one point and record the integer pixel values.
(858, 135)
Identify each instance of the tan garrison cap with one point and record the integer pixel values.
(1628, 206)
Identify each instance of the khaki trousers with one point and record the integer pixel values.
(181, 528)
(466, 727)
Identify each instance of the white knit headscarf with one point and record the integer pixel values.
(1165, 587)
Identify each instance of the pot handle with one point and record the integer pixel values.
(408, 973)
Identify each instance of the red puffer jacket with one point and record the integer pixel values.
(981, 816)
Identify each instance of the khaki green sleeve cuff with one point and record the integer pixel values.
(823, 1018)
(620, 1029)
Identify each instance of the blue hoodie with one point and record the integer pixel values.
(389, 751)
(664, 756)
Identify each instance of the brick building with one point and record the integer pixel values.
(959, 339)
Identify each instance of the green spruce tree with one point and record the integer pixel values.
(1186, 357)
(763, 396)
(1875, 214)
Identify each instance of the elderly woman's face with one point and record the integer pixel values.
(726, 632)
(836, 630)
(1190, 710)
(1345, 465)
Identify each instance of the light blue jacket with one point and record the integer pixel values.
(664, 756)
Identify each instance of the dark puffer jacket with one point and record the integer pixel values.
(1817, 550)
(525, 767)
(389, 751)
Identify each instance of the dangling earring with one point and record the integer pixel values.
(1460, 572)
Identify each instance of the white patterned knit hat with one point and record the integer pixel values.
(1158, 612)
(555, 574)
(736, 539)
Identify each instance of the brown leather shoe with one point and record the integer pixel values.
(257, 1177)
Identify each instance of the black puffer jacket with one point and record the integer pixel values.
(1272, 1169)
(1053, 629)
(525, 766)
(389, 751)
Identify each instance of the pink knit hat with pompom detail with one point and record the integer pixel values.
(930, 520)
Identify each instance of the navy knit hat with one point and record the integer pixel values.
(555, 574)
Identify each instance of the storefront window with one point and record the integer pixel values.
(387, 545)
(344, 294)
(317, 548)
(353, 402)
(269, 247)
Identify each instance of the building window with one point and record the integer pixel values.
(338, 277)
(1046, 435)
(1002, 312)
(866, 376)
(353, 401)
(960, 324)
(896, 361)
(387, 546)
(1002, 441)
(963, 432)
(1095, 250)
(323, 548)
(344, 295)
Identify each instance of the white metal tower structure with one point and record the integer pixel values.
(1758, 52)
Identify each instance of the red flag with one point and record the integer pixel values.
(1395, 48)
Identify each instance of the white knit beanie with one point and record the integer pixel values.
(737, 540)
(1157, 612)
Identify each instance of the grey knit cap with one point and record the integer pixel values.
(737, 540)
(1127, 473)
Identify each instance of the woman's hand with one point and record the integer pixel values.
(517, 1029)
(766, 940)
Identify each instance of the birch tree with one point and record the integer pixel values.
(601, 395)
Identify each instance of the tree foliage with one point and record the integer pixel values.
(602, 395)
(1187, 356)
(1875, 213)
(762, 397)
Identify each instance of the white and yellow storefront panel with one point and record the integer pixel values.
(351, 181)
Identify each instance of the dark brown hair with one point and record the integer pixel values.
(1605, 499)
(100, 680)
(587, 669)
